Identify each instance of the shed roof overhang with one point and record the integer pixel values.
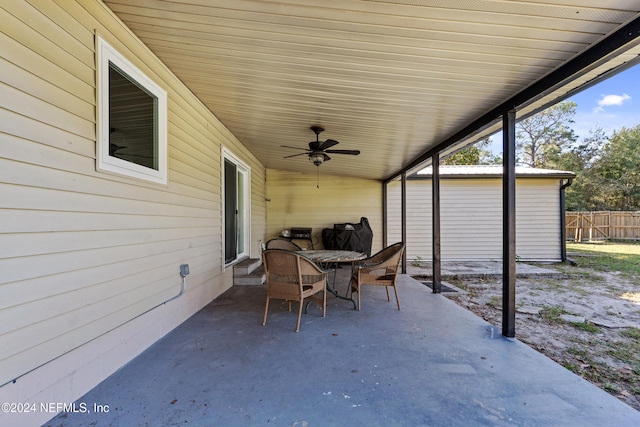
(397, 80)
(489, 171)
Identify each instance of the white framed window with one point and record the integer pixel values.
(236, 179)
(132, 119)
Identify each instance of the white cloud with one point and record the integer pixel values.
(609, 100)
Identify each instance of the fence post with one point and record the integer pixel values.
(579, 228)
(610, 236)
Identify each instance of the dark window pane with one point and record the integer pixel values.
(132, 117)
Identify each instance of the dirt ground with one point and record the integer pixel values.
(587, 321)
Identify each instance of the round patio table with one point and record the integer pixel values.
(328, 257)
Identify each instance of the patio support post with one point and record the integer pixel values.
(435, 215)
(404, 220)
(509, 225)
(385, 188)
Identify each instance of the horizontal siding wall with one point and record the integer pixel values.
(538, 219)
(419, 214)
(83, 252)
(471, 219)
(295, 201)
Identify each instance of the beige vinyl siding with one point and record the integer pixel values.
(471, 219)
(83, 252)
(419, 215)
(538, 219)
(295, 201)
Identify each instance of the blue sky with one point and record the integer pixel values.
(611, 104)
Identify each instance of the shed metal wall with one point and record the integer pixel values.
(83, 252)
(471, 219)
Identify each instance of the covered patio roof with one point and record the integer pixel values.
(397, 80)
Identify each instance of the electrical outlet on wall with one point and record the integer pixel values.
(184, 270)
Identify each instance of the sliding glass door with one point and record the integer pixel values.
(236, 209)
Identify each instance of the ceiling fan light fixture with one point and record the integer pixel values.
(316, 159)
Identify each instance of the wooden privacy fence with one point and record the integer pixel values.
(605, 225)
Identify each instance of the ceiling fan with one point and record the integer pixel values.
(318, 150)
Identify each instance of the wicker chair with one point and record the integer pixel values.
(279, 243)
(293, 277)
(380, 269)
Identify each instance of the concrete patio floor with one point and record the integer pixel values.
(430, 364)
(459, 269)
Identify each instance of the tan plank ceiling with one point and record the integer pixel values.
(390, 78)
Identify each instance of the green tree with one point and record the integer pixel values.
(618, 167)
(476, 154)
(607, 171)
(585, 193)
(542, 137)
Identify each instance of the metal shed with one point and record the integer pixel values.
(471, 213)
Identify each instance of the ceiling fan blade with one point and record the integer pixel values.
(294, 155)
(327, 144)
(352, 152)
(295, 148)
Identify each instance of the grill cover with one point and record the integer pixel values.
(349, 237)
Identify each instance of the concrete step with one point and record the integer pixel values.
(255, 278)
(246, 267)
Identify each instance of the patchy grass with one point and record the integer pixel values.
(631, 333)
(578, 351)
(585, 326)
(621, 381)
(609, 256)
(552, 313)
(627, 350)
(472, 290)
(495, 301)
(574, 281)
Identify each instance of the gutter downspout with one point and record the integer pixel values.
(563, 225)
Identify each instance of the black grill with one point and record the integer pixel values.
(301, 233)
